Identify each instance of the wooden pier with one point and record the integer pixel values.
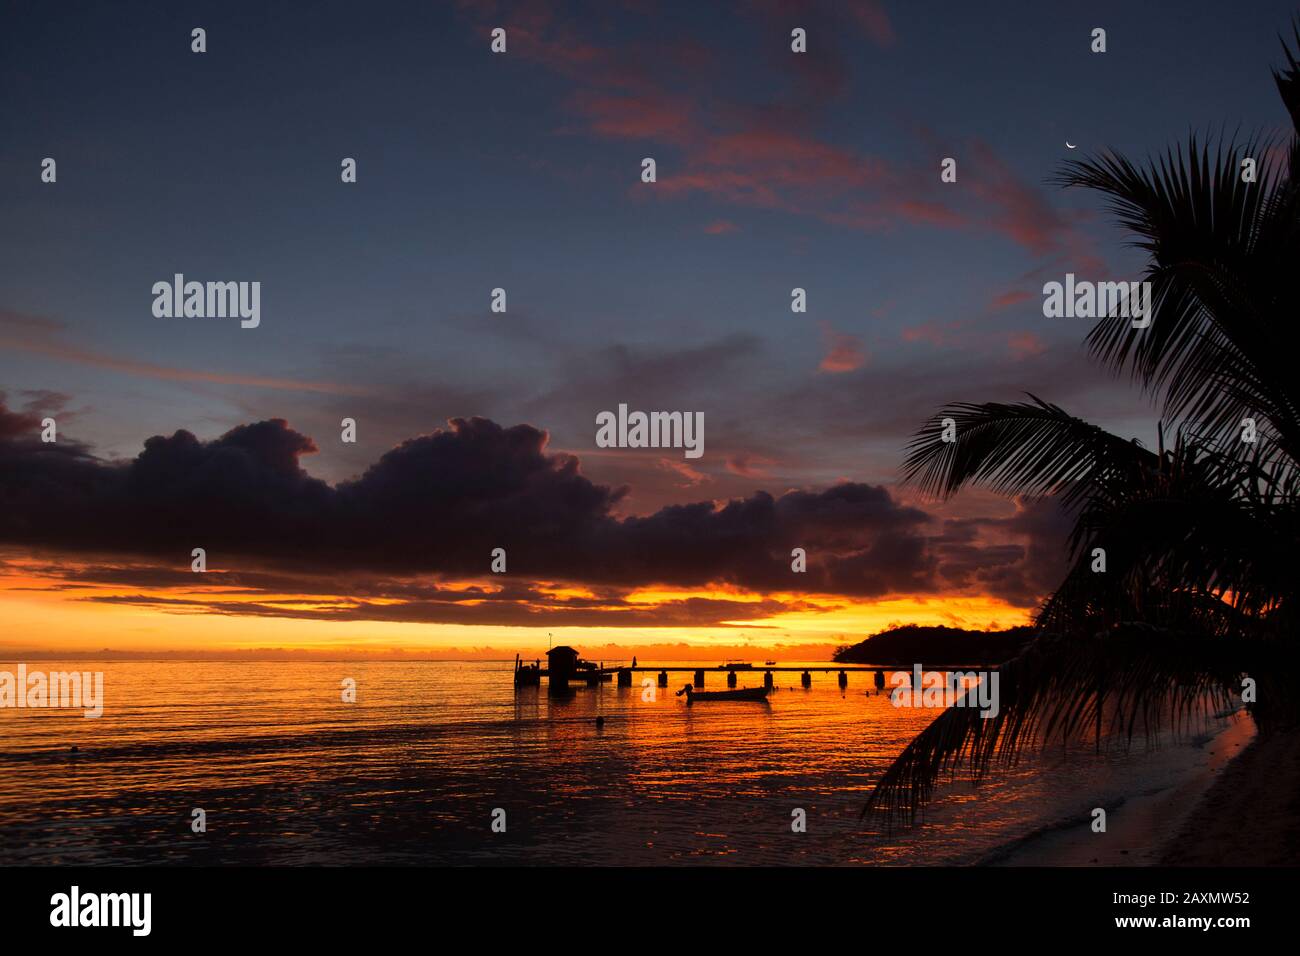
(565, 667)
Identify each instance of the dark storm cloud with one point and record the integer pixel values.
(1027, 566)
(441, 502)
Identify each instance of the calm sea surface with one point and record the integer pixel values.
(412, 772)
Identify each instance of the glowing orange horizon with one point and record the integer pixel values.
(40, 611)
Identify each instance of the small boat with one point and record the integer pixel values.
(769, 663)
(745, 693)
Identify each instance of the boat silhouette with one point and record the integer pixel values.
(744, 693)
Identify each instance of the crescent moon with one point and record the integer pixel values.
(1067, 143)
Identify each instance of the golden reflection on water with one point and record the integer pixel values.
(411, 772)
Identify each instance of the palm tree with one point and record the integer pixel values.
(1199, 535)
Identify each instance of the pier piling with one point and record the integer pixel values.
(564, 670)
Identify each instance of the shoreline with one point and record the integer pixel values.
(1142, 826)
(1251, 814)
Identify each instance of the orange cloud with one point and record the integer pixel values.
(1015, 208)
(932, 332)
(1009, 298)
(622, 116)
(749, 466)
(41, 336)
(844, 352)
(692, 476)
(1025, 345)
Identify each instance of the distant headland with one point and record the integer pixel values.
(916, 643)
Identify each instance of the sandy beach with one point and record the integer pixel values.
(1250, 816)
(1197, 820)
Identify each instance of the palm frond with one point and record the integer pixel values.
(1131, 680)
(1288, 78)
(1221, 252)
(1025, 448)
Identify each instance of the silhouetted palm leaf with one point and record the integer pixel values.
(1132, 679)
(1024, 448)
(1288, 78)
(1222, 251)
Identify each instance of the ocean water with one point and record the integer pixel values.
(412, 772)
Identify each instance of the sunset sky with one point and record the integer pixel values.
(476, 430)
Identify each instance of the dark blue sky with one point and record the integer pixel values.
(521, 171)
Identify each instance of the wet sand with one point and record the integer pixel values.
(1250, 816)
(1141, 827)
